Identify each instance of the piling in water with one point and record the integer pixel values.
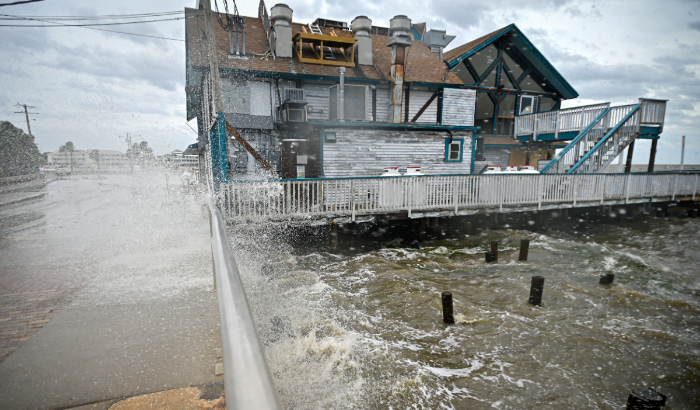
(490, 257)
(334, 235)
(469, 228)
(536, 289)
(645, 398)
(524, 247)
(494, 250)
(607, 279)
(447, 313)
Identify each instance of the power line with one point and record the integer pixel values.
(88, 25)
(94, 28)
(100, 17)
(19, 2)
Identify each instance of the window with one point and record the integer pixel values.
(453, 149)
(490, 80)
(516, 65)
(506, 115)
(484, 113)
(547, 104)
(464, 74)
(330, 136)
(483, 59)
(533, 82)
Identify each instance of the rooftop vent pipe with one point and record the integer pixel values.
(281, 17)
(361, 27)
(437, 40)
(399, 41)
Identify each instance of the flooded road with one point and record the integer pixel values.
(361, 326)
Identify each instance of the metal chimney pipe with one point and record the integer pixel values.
(399, 28)
(341, 93)
(243, 35)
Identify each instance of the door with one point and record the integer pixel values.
(528, 104)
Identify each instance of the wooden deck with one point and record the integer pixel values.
(422, 196)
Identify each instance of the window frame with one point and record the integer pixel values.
(448, 143)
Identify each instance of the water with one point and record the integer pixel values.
(361, 327)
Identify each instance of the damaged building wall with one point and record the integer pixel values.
(367, 152)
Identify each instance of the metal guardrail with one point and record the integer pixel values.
(247, 379)
(350, 197)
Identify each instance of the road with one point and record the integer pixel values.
(105, 293)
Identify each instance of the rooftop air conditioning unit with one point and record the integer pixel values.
(294, 94)
(356, 98)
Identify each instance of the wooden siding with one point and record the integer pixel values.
(383, 102)
(497, 156)
(367, 152)
(458, 107)
(317, 95)
(417, 99)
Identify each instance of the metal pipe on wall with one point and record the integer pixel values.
(341, 92)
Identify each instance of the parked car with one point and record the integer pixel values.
(62, 171)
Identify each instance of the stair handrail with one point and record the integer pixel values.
(575, 141)
(612, 131)
(527, 121)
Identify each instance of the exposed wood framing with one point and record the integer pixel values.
(424, 107)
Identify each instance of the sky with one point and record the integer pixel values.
(92, 87)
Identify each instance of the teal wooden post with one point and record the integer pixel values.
(218, 151)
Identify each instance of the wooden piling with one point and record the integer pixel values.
(494, 249)
(334, 235)
(606, 279)
(524, 247)
(536, 288)
(469, 228)
(447, 310)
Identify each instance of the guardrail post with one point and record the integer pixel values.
(500, 192)
(456, 194)
(695, 188)
(627, 188)
(352, 198)
(602, 189)
(574, 183)
(409, 200)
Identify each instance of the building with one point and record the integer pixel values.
(330, 99)
(89, 160)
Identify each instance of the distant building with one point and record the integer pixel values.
(87, 160)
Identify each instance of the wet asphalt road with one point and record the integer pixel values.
(105, 292)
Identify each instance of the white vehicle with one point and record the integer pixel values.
(529, 169)
(493, 169)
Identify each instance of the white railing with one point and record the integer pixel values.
(555, 122)
(653, 112)
(350, 197)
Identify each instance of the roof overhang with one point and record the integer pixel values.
(531, 53)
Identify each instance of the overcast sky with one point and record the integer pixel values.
(92, 87)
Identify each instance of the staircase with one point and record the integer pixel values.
(606, 137)
(327, 51)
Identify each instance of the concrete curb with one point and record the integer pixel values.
(19, 200)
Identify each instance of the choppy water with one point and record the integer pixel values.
(360, 327)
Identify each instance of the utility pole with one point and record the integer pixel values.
(26, 114)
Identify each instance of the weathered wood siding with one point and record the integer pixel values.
(367, 152)
(497, 156)
(458, 107)
(416, 101)
(383, 102)
(317, 95)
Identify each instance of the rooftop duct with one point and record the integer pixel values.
(361, 27)
(437, 40)
(281, 17)
(399, 40)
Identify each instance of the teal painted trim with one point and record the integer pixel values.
(370, 125)
(471, 168)
(447, 149)
(218, 149)
(416, 34)
(647, 130)
(610, 133)
(563, 136)
(436, 85)
(503, 146)
(292, 76)
(575, 140)
(649, 137)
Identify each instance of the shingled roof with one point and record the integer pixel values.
(464, 48)
(421, 66)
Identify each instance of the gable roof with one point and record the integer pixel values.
(421, 66)
(525, 47)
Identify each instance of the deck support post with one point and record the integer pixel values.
(630, 152)
(652, 155)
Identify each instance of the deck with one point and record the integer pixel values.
(357, 199)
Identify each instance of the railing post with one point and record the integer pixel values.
(627, 188)
(675, 188)
(602, 189)
(500, 191)
(409, 200)
(352, 198)
(574, 183)
(456, 194)
(534, 128)
(540, 188)
(695, 188)
(556, 125)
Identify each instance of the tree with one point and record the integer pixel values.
(68, 147)
(19, 155)
(95, 156)
(140, 151)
